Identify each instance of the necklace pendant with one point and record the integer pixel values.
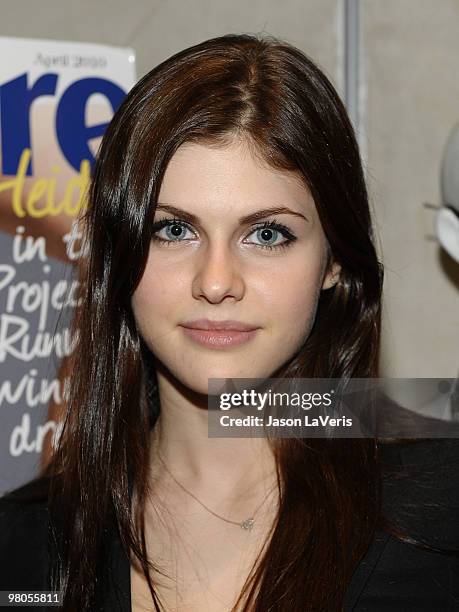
(247, 524)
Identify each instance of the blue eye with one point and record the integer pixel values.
(175, 230)
(269, 231)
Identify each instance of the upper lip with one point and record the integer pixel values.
(228, 325)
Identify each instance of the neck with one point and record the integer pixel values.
(211, 466)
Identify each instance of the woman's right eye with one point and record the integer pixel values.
(174, 230)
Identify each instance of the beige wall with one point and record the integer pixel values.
(411, 63)
(411, 100)
(156, 29)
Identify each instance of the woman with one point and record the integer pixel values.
(228, 187)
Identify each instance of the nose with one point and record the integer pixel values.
(218, 275)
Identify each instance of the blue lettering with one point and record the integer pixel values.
(72, 133)
(15, 102)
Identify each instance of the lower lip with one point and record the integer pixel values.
(219, 339)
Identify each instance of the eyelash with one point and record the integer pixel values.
(161, 223)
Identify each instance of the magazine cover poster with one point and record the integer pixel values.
(56, 100)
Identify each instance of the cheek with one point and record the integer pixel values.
(158, 291)
(291, 291)
(293, 305)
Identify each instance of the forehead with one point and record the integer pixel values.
(223, 179)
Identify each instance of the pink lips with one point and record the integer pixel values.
(219, 334)
(219, 325)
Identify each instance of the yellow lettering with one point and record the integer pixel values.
(17, 183)
(43, 186)
(37, 191)
(52, 188)
(80, 182)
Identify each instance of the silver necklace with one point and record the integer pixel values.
(246, 524)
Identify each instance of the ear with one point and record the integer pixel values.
(332, 276)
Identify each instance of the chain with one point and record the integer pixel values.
(245, 524)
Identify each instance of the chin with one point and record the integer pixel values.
(199, 381)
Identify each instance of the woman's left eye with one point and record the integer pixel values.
(268, 232)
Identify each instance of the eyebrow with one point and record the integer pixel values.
(251, 218)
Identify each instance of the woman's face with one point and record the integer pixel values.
(220, 268)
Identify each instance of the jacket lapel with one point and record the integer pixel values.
(364, 570)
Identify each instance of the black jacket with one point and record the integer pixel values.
(392, 576)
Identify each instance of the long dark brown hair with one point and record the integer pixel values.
(270, 94)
